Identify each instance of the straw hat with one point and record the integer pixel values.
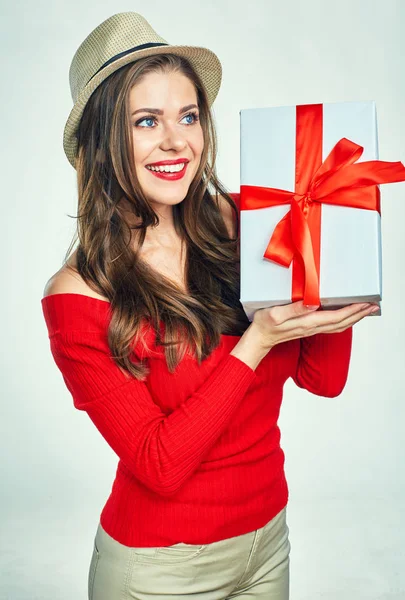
(118, 41)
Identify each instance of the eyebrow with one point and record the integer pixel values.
(158, 111)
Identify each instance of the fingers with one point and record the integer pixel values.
(283, 323)
(307, 321)
(348, 321)
(339, 315)
(286, 312)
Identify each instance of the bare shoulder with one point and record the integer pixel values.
(227, 214)
(68, 281)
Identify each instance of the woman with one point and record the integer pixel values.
(148, 332)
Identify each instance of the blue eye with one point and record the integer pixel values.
(149, 122)
(146, 119)
(193, 116)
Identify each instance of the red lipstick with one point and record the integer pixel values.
(169, 176)
(169, 162)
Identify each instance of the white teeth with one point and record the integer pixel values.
(167, 168)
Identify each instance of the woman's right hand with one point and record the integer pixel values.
(272, 326)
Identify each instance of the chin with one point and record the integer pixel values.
(168, 198)
(169, 193)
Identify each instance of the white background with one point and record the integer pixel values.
(345, 456)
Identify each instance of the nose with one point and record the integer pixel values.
(172, 139)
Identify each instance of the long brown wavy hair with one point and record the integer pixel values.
(109, 261)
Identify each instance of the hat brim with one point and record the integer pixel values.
(204, 61)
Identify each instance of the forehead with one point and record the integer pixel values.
(155, 89)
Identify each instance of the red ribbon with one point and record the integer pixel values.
(336, 180)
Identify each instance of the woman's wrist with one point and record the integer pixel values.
(250, 348)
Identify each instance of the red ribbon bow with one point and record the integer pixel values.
(336, 180)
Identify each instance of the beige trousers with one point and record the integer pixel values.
(250, 566)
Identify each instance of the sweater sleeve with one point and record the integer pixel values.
(162, 451)
(323, 363)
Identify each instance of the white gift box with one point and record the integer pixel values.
(350, 244)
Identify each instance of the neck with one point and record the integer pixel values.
(164, 235)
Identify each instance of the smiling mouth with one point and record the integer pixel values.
(168, 172)
(166, 168)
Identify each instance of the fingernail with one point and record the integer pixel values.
(375, 309)
(310, 307)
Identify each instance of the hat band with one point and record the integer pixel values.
(121, 54)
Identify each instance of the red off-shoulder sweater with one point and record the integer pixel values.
(199, 449)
